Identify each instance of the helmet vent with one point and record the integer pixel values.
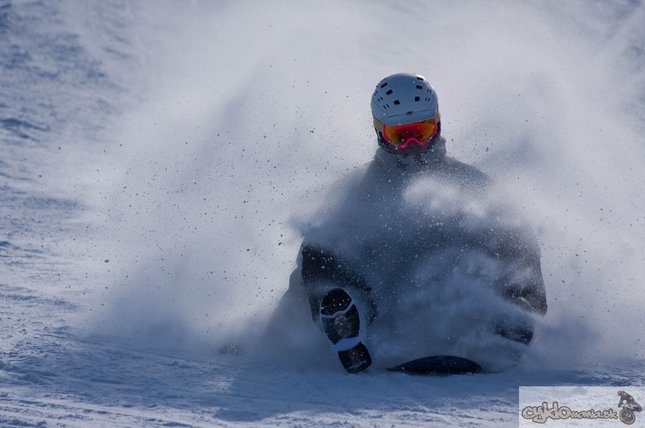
(384, 85)
(419, 87)
(416, 99)
(397, 102)
(420, 78)
(389, 92)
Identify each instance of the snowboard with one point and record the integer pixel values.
(438, 365)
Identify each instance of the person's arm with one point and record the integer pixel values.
(522, 282)
(321, 269)
(322, 265)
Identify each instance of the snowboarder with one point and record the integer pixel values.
(409, 224)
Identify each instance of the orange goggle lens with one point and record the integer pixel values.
(419, 132)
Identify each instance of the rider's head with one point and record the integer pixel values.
(406, 114)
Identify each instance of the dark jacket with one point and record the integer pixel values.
(403, 224)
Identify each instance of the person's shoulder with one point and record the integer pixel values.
(463, 173)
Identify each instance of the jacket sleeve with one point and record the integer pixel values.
(321, 269)
(521, 281)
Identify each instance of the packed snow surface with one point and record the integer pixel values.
(156, 159)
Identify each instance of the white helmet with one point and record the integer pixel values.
(404, 98)
(406, 114)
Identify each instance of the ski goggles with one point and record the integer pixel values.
(401, 136)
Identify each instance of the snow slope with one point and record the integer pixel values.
(153, 157)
